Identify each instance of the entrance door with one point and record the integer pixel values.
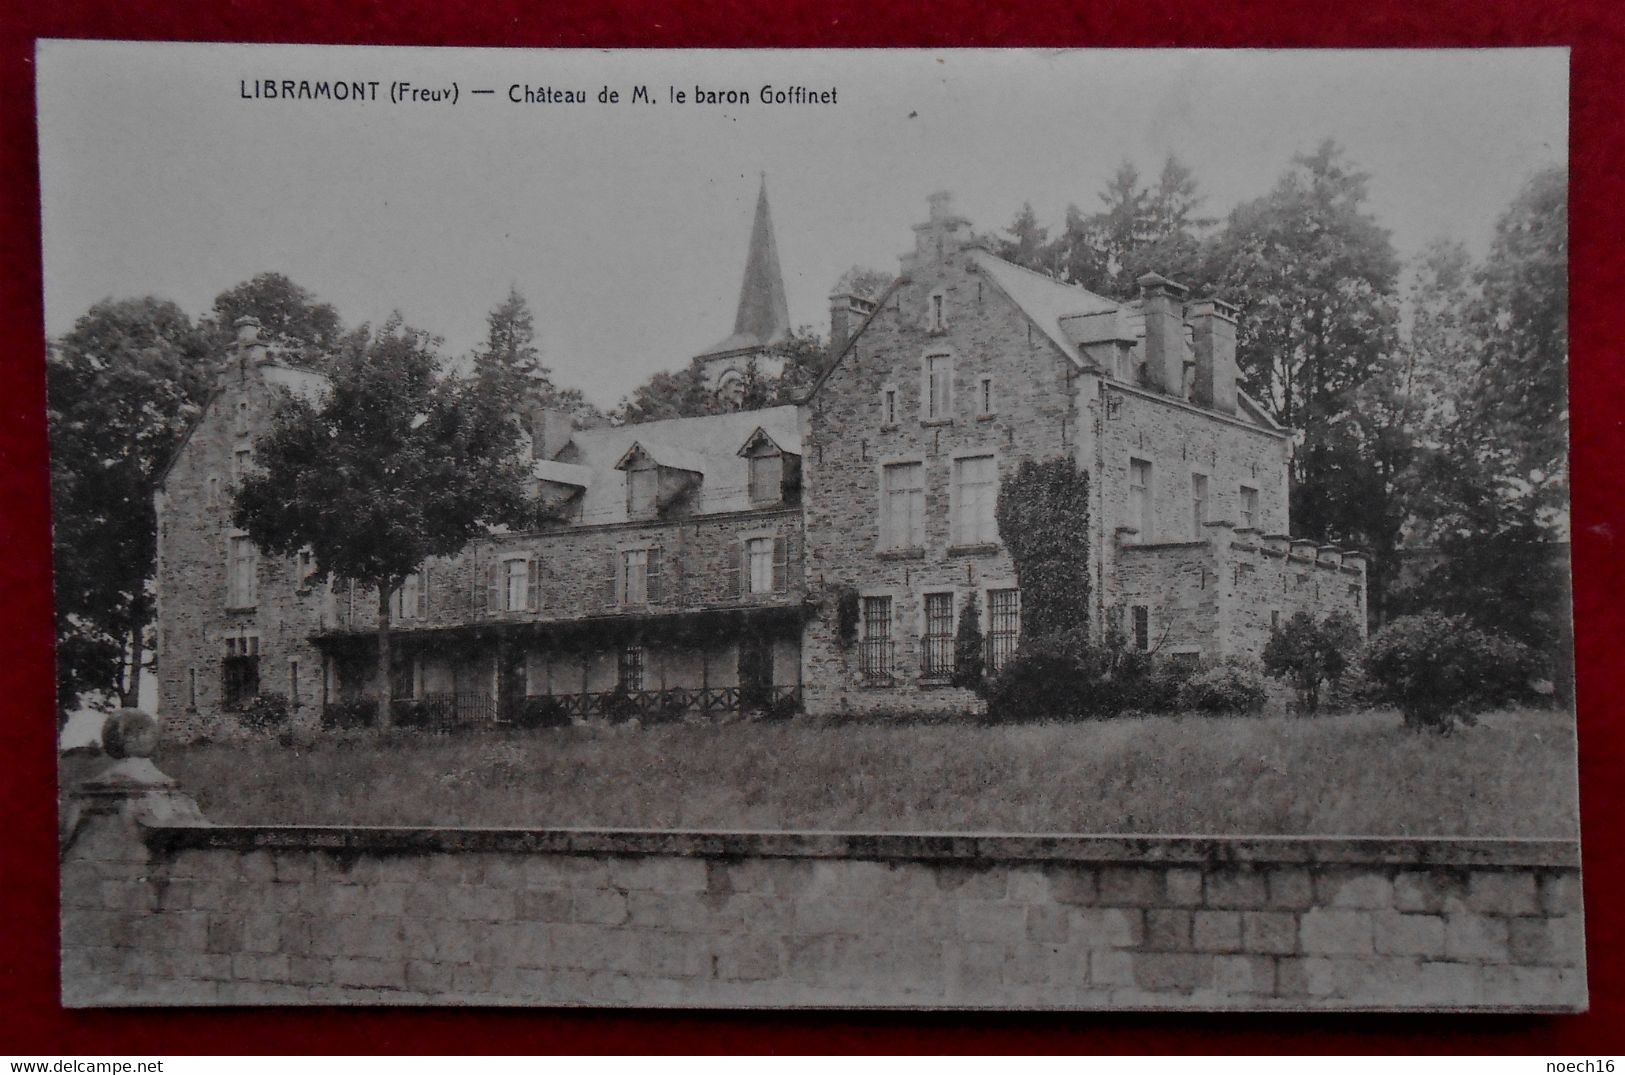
(755, 672)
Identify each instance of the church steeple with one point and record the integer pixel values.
(763, 314)
(762, 322)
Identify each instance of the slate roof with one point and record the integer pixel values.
(709, 445)
(763, 317)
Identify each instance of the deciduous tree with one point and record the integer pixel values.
(398, 463)
(122, 386)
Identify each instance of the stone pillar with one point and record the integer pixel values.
(108, 895)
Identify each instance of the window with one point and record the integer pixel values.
(241, 461)
(766, 478)
(759, 557)
(1198, 505)
(875, 656)
(240, 671)
(1142, 627)
(408, 600)
(984, 395)
(214, 489)
(1004, 626)
(635, 576)
(1139, 498)
(641, 489)
(939, 387)
(629, 672)
(888, 407)
(241, 568)
(976, 492)
(938, 660)
(304, 567)
(938, 321)
(191, 688)
(902, 506)
(1275, 619)
(1249, 506)
(515, 585)
(293, 684)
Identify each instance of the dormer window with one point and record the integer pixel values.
(642, 492)
(657, 476)
(772, 474)
(766, 478)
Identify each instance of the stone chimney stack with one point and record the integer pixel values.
(1213, 338)
(846, 313)
(249, 345)
(550, 431)
(1163, 303)
(943, 233)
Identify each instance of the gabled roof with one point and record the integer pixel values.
(763, 317)
(709, 443)
(758, 435)
(1048, 303)
(306, 383)
(664, 455)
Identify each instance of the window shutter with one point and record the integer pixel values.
(735, 569)
(533, 584)
(779, 572)
(612, 589)
(654, 575)
(493, 587)
(795, 574)
(423, 591)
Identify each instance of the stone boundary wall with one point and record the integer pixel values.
(160, 907)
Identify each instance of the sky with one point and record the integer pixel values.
(625, 224)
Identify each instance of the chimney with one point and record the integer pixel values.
(1213, 338)
(846, 313)
(1162, 301)
(550, 431)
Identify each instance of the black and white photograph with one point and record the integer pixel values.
(955, 529)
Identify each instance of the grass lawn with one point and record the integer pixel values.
(1353, 774)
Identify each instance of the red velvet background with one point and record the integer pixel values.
(31, 1020)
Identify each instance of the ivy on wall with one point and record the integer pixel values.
(1043, 518)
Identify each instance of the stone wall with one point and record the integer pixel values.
(160, 907)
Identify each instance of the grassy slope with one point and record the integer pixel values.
(1513, 775)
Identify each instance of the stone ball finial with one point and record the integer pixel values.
(129, 733)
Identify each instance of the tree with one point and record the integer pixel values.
(1311, 654)
(289, 316)
(1517, 407)
(866, 283)
(1043, 519)
(122, 386)
(1316, 279)
(398, 463)
(509, 355)
(684, 393)
(969, 665)
(1026, 244)
(1440, 669)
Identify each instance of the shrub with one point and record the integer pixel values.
(1067, 676)
(266, 711)
(1227, 687)
(1440, 670)
(846, 615)
(411, 713)
(542, 711)
(783, 708)
(350, 713)
(968, 665)
(620, 706)
(671, 708)
(1309, 654)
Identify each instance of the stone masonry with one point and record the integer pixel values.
(159, 907)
